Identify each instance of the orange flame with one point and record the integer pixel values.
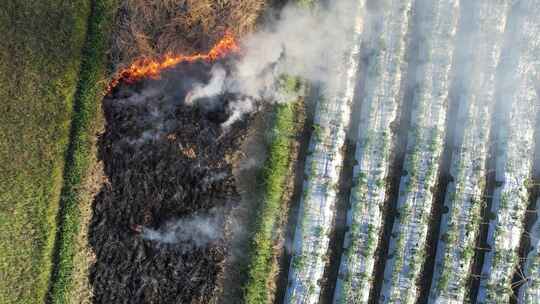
(151, 68)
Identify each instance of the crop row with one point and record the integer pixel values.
(530, 291)
(274, 175)
(379, 109)
(515, 140)
(323, 168)
(465, 194)
(424, 150)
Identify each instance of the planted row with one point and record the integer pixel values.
(424, 149)
(465, 194)
(323, 168)
(380, 106)
(274, 175)
(515, 146)
(530, 291)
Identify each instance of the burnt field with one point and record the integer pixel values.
(164, 161)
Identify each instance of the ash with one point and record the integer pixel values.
(165, 162)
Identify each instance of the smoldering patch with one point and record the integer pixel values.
(198, 230)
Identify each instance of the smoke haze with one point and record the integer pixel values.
(301, 43)
(197, 231)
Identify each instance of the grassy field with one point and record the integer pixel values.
(40, 55)
(41, 51)
(80, 154)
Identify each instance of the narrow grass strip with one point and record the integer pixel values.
(274, 175)
(89, 91)
(257, 290)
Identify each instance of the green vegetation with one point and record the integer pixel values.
(275, 173)
(50, 88)
(89, 92)
(307, 3)
(40, 57)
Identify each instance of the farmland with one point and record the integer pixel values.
(379, 110)
(465, 196)
(458, 129)
(514, 163)
(407, 248)
(323, 168)
(40, 68)
(362, 151)
(530, 291)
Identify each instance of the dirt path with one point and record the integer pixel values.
(246, 166)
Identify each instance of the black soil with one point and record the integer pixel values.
(164, 161)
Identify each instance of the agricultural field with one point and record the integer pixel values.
(514, 159)
(465, 195)
(41, 52)
(302, 151)
(530, 291)
(323, 168)
(424, 149)
(379, 109)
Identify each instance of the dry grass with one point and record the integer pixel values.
(155, 27)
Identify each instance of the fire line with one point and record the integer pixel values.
(151, 68)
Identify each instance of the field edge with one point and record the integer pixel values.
(79, 156)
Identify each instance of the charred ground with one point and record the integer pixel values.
(163, 161)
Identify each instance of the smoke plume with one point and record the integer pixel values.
(197, 231)
(301, 43)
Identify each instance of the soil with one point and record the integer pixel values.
(163, 161)
(246, 170)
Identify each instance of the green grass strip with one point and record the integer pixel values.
(274, 175)
(89, 92)
(307, 3)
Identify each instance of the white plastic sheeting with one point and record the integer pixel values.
(529, 293)
(380, 105)
(425, 141)
(323, 168)
(514, 161)
(465, 194)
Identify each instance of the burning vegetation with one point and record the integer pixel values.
(151, 68)
(160, 223)
(164, 225)
(154, 28)
(168, 167)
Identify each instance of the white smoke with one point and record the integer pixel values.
(238, 109)
(197, 231)
(302, 43)
(215, 178)
(214, 88)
